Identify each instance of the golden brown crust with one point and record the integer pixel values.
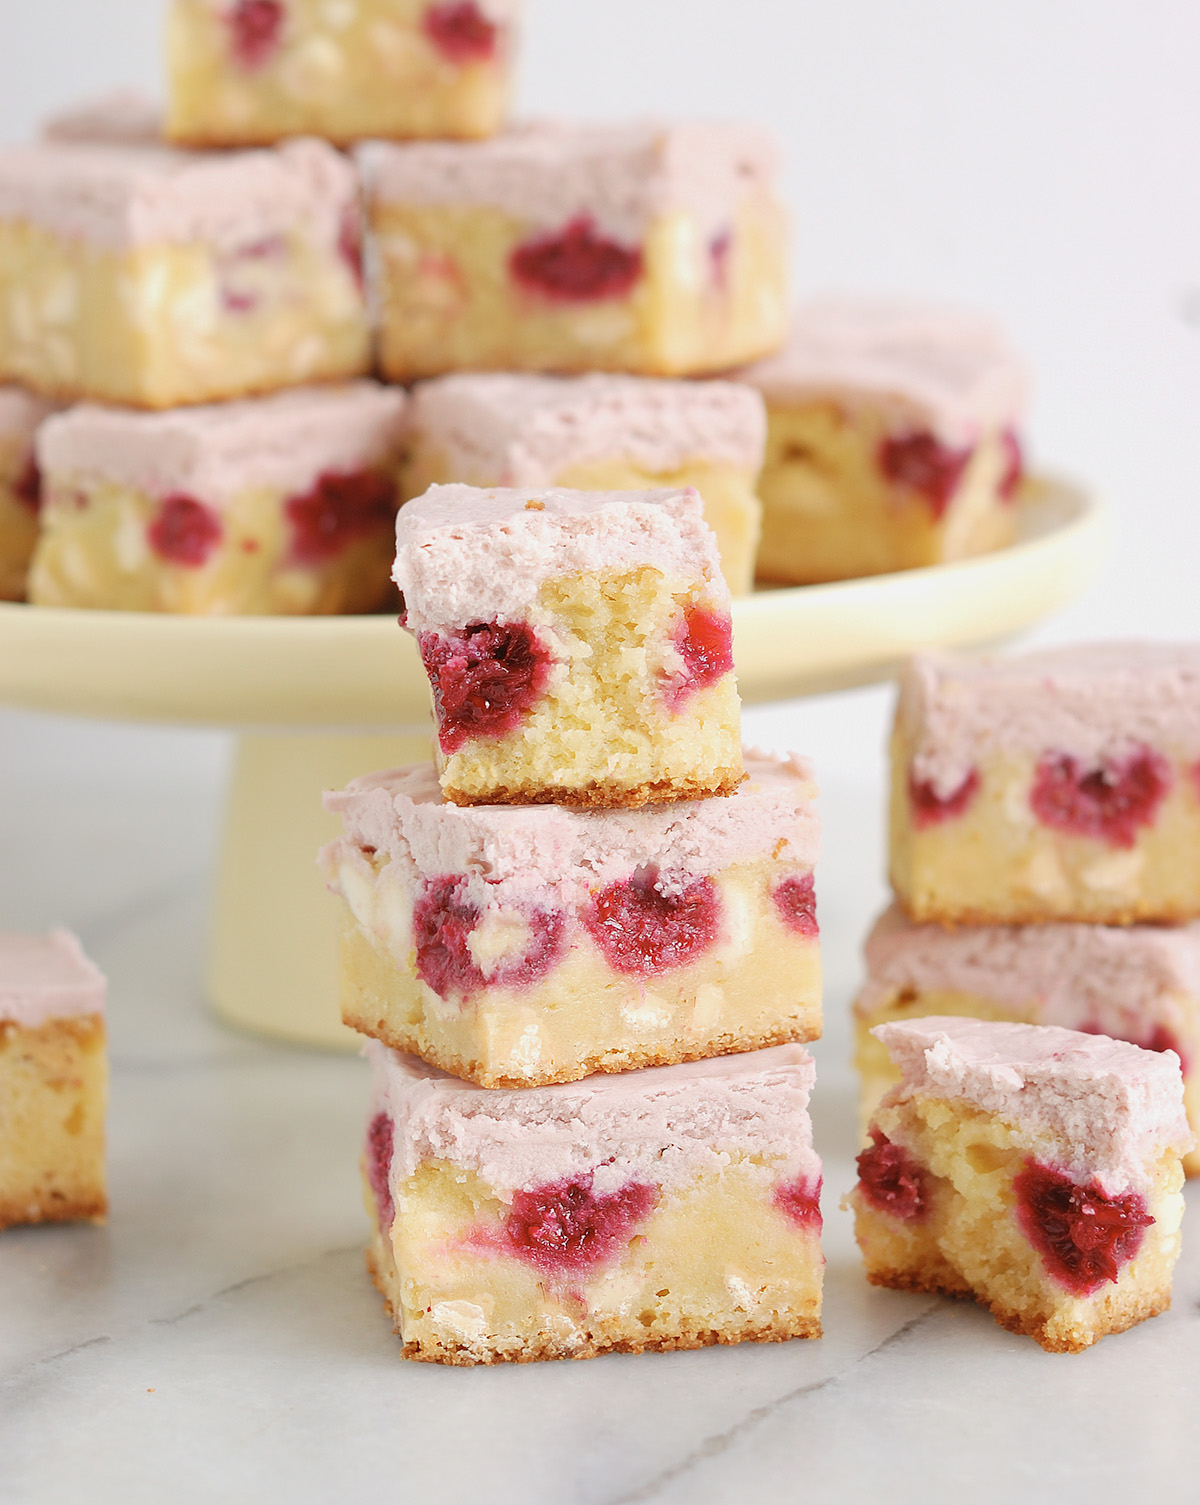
(776, 1329)
(1048, 1333)
(1016, 915)
(45, 1205)
(68, 392)
(723, 1045)
(596, 797)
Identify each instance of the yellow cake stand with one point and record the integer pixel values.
(318, 700)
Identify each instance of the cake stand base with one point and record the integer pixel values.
(274, 952)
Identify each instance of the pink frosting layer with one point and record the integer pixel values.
(1108, 978)
(524, 430)
(664, 1125)
(124, 117)
(948, 371)
(21, 412)
(118, 197)
(1112, 1109)
(469, 555)
(1092, 703)
(546, 173)
(45, 977)
(526, 852)
(213, 452)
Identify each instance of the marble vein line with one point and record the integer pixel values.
(253, 1280)
(721, 1442)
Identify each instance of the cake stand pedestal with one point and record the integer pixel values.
(319, 700)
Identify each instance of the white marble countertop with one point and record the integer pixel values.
(219, 1339)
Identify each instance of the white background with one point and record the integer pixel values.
(1037, 158)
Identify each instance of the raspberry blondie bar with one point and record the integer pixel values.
(521, 946)
(657, 249)
(145, 276)
(663, 1209)
(578, 644)
(255, 71)
(1139, 983)
(1060, 785)
(53, 1081)
(1033, 1168)
(282, 504)
(20, 486)
(600, 433)
(891, 441)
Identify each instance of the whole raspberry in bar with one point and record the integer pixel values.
(443, 922)
(27, 488)
(800, 1200)
(796, 902)
(704, 640)
(255, 28)
(184, 531)
(891, 1179)
(1111, 802)
(350, 242)
(1014, 466)
(643, 930)
(340, 507)
(576, 264)
(380, 1139)
(1083, 1235)
(461, 32)
(923, 463)
(484, 679)
(566, 1228)
(929, 807)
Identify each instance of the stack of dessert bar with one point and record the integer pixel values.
(581, 946)
(1045, 854)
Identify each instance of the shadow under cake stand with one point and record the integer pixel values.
(318, 700)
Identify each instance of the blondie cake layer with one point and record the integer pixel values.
(282, 504)
(20, 486)
(1059, 785)
(892, 441)
(256, 71)
(519, 946)
(664, 1209)
(139, 275)
(1139, 983)
(578, 644)
(599, 433)
(648, 248)
(1033, 1168)
(53, 1081)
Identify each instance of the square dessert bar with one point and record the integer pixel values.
(662, 1209)
(140, 275)
(600, 433)
(578, 644)
(1139, 983)
(891, 441)
(1060, 785)
(649, 248)
(255, 71)
(282, 504)
(53, 1081)
(515, 946)
(1033, 1168)
(20, 486)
